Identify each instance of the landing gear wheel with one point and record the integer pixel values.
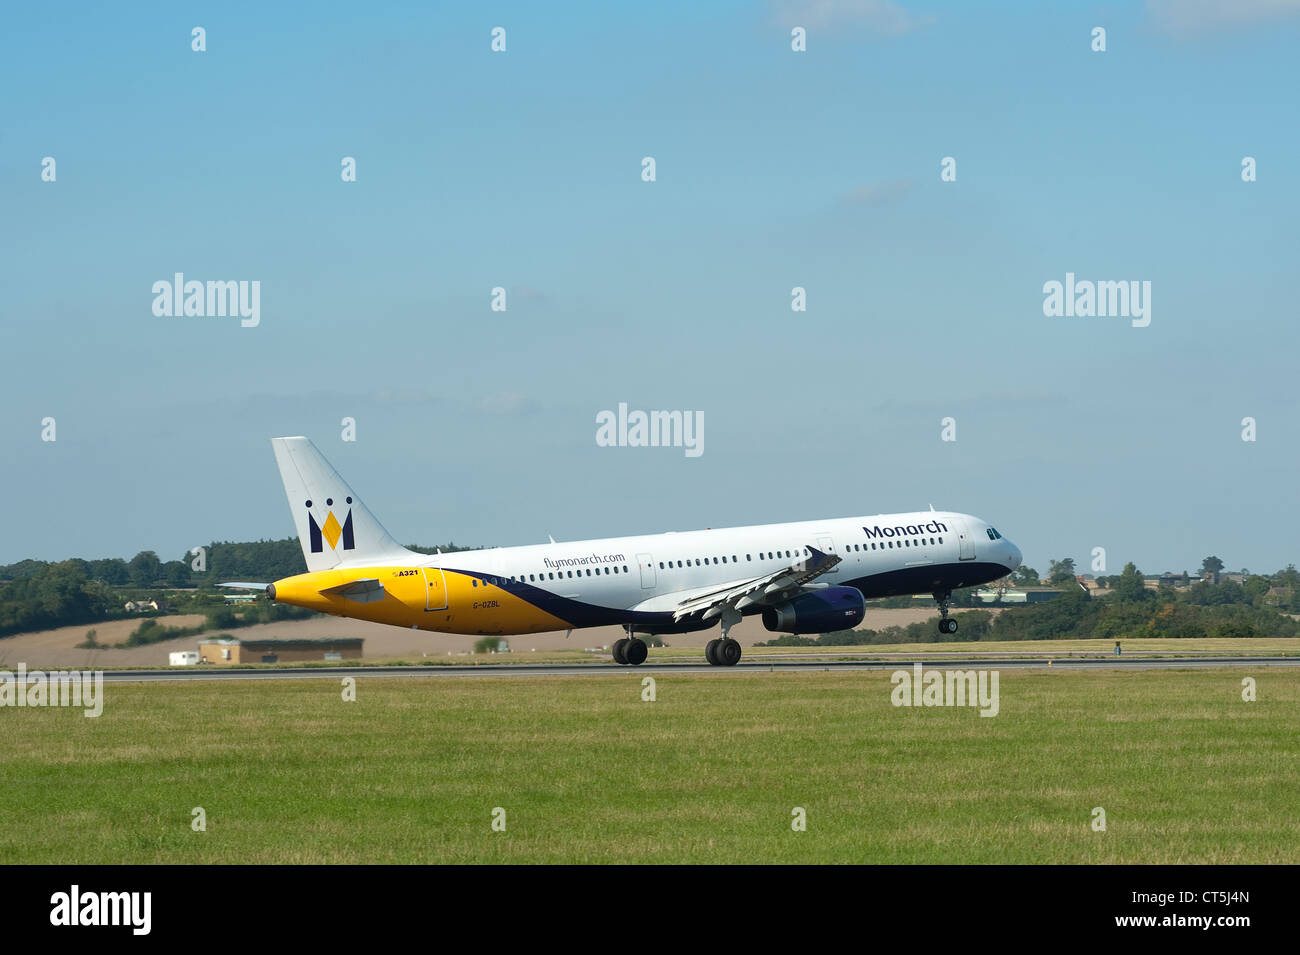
(946, 624)
(727, 653)
(711, 652)
(635, 652)
(620, 649)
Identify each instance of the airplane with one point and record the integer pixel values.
(805, 577)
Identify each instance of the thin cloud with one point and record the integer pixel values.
(530, 293)
(878, 193)
(505, 403)
(1198, 17)
(879, 16)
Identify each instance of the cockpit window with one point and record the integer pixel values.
(993, 534)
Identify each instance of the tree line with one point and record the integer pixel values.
(1131, 610)
(42, 595)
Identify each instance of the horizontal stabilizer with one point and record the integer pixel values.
(364, 591)
(243, 585)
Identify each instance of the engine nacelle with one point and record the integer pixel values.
(821, 611)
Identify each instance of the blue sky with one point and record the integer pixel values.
(774, 169)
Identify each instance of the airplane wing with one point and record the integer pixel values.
(772, 588)
(243, 585)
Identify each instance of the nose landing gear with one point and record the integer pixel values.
(946, 623)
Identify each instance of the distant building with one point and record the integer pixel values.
(183, 658)
(140, 606)
(232, 650)
(1018, 595)
(1277, 596)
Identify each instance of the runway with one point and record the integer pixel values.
(752, 667)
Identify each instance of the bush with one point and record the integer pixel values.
(788, 640)
(220, 618)
(151, 631)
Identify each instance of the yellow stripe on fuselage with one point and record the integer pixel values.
(472, 604)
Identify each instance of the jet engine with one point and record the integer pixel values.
(819, 611)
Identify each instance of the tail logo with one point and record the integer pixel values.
(332, 531)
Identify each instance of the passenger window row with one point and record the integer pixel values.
(905, 542)
(551, 575)
(734, 559)
(702, 561)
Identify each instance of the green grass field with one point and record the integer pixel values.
(289, 773)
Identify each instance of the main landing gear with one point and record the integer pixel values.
(722, 652)
(946, 623)
(630, 651)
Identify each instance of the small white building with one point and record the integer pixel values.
(184, 658)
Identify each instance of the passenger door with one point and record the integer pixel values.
(965, 545)
(647, 563)
(435, 586)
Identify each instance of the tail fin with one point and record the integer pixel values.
(334, 527)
